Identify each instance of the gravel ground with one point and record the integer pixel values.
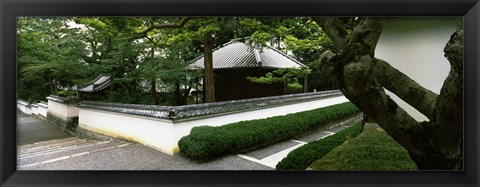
(139, 157)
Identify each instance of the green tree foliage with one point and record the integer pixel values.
(145, 56)
(49, 57)
(301, 37)
(290, 77)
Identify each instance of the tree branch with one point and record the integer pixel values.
(407, 89)
(366, 34)
(334, 29)
(163, 26)
(449, 113)
(362, 89)
(353, 69)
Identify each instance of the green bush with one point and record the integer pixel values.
(374, 149)
(302, 157)
(65, 93)
(294, 88)
(204, 143)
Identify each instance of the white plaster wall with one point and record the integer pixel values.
(183, 128)
(42, 111)
(28, 110)
(72, 110)
(62, 109)
(22, 106)
(155, 133)
(415, 47)
(34, 109)
(57, 108)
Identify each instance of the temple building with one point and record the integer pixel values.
(235, 61)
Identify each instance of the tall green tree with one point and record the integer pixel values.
(49, 56)
(207, 33)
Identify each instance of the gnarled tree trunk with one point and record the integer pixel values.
(433, 144)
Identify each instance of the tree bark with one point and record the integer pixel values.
(178, 97)
(208, 63)
(153, 89)
(433, 144)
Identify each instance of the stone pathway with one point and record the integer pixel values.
(31, 129)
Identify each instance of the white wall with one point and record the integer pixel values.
(57, 108)
(155, 133)
(28, 110)
(39, 109)
(415, 47)
(62, 110)
(163, 135)
(42, 110)
(22, 106)
(34, 109)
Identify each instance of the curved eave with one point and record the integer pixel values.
(99, 83)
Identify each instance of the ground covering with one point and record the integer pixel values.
(206, 142)
(374, 149)
(302, 157)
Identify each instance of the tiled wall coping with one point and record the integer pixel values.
(190, 111)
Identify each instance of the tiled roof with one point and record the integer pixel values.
(236, 54)
(189, 111)
(99, 83)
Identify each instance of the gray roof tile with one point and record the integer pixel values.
(99, 83)
(205, 109)
(236, 54)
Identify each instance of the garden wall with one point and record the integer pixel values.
(42, 109)
(62, 112)
(160, 127)
(23, 106)
(38, 109)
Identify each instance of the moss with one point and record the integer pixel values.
(60, 122)
(302, 157)
(374, 149)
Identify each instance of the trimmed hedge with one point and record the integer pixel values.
(302, 157)
(206, 142)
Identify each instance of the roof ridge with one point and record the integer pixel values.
(285, 55)
(257, 55)
(213, 50)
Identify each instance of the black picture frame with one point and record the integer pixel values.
(10, 9)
